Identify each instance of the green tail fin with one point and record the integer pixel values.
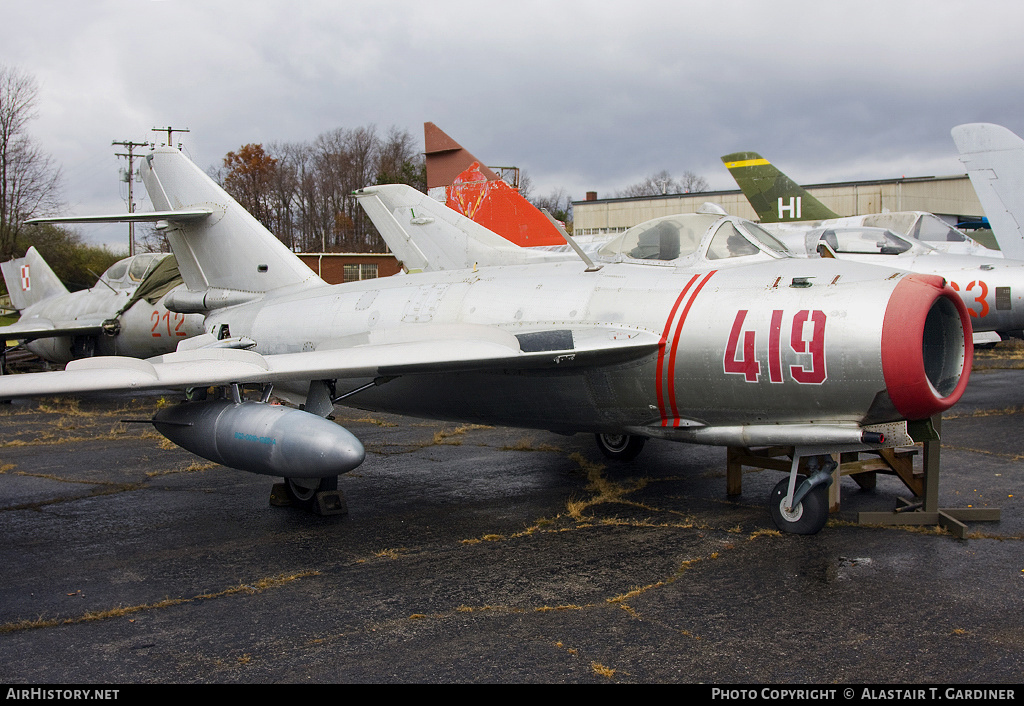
(775, 197)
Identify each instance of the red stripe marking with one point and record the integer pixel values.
(664, 338)
(675, 345)
(774, 355)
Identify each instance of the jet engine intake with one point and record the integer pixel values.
(926, 346)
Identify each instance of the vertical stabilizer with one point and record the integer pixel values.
(775, 197)
(229, 250)
(30, 280)
(498, 207)
(994, 159)
(428, 236)
(446, 159)
(461, 181)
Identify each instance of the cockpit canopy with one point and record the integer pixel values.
(681, 238)
(859, 240)
(130, 271)
(925, 227)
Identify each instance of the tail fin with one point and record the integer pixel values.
(229, 252)
(30, 280)
(775, 197)
(446, 159)
(460, 180)
(994, 159)
(426, 235)
(501, 209)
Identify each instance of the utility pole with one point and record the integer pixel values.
(169, 130)
(130, 176)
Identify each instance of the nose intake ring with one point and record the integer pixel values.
(926, 346)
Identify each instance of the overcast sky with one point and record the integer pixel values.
(582, 95)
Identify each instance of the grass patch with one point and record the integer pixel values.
(122, 611)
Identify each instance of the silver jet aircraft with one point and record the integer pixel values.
(994, 159)
(689, 328)
(778, 199)
(992, 288)
(123, 314)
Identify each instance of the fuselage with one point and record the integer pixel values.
(99, 321)
(776, 342)
(144, 330)
(992, 288)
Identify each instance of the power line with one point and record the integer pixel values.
(130, 146)
(170, 131)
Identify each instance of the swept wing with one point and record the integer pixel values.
(443, 348)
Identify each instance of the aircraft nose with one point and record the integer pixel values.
(926, 346)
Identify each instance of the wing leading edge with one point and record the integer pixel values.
(479, 349)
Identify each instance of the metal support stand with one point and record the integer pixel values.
(923, 483)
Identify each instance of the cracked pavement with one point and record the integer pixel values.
(477, 554)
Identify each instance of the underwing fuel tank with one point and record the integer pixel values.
(261, 438)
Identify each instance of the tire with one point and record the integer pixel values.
(302, 491)
(806, 518)
(620, 447)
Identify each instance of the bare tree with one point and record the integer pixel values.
(302, 191)
(559, 205)
(398, 161)
(690, 183)
(525, 186)
(151, 240)
(284, 190)
(663, 183)
(29, 180)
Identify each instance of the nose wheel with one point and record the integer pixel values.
(807, 516)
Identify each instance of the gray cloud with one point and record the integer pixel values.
(582, 95)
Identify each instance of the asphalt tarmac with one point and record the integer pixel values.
(490, 555)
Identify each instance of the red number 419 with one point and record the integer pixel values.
(741, 358)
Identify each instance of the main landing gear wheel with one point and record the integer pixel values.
(808, 517)
(620, 447)
(318, 495)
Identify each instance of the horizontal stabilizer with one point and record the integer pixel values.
(183, 216)
(42, 328)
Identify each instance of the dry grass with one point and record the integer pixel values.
(1019, 409)
(527, 444)
(194, 467)
(121, 611)
(604, 490)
